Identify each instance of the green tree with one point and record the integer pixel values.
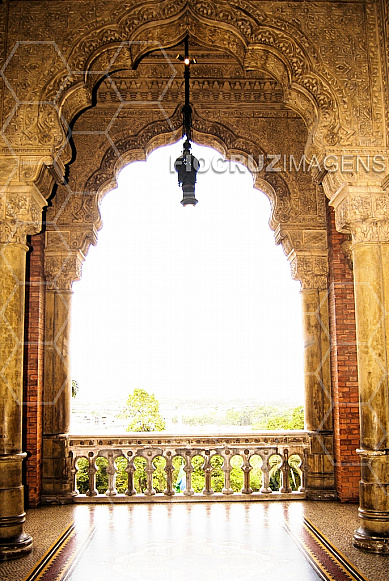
(75, 387)
(297, 421)
(289, 420)
(142, 412)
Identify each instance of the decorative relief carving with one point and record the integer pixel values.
(34, 128)
(77, 209)
(383, 39)
(72, 223)
(315, 76)
(376, 81)
(74, 239)
(363, 212)
(20, 215)
(114, 158)
(345, 57)
(302, 37)
(79, 99)
(297, 239)
(61, 270)
(310, 270)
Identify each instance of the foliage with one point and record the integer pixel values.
(242, 417)
(276, 475)
(262, 417)
(204, 420)
(101, 475)
(75, 388)
(297, 421)
(142, 412)
(82, 475)
(288, 421)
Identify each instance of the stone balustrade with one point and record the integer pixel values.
(215, 467)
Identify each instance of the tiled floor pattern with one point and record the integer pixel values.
(199, 542)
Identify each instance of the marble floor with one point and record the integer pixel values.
(196, 542)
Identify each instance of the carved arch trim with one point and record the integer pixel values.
(254, 39)
(129, 148)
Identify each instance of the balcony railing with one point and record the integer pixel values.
(142, 467)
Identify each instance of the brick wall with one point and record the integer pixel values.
(343, 366)
(33, 371)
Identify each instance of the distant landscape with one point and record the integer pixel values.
(183, 415)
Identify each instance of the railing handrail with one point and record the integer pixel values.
(149, 446)
(193, 436)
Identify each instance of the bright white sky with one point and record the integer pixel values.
(190, 302)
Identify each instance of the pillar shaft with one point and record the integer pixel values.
(317, 369)
(57, 379)
(371, 281)
(318, 402)
(362, 210)
(13, 541)
(60, 271)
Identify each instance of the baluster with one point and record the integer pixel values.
(285, 472)
(188, 469)
(246, 467)
(227, 473)
(149, 473)
(169, 469)
(302, 472)
(111, 471)
(207, 471)
(130, 469)
(92, 469)
(265, 488)
(73, 472)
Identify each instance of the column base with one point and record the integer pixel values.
(57, 470)
(15, 548)
(370, 542)
(373, 532)
(48, 499)
(318, 494)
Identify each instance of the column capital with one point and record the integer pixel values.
(20, 212)
(61, 270)
(363, 211)
(310, 269)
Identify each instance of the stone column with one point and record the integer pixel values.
(312, 272)
(20, 214)
(72, 223)
(60, 272)
(364, 212)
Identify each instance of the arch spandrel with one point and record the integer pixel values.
(293, 44)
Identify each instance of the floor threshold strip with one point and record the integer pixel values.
(52, 553)
(61, 559)
(336, 554)
(325, 559)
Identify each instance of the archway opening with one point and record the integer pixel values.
(194, 305)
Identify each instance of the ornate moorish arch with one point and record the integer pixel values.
(72, 222)
(50, 73)
(257, 41)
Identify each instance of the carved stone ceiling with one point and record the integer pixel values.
(228, 102)
(234, 110)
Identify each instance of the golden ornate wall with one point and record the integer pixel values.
(297, 91)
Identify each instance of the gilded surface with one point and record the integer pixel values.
(280, 86)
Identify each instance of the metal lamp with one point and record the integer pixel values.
(187, 165)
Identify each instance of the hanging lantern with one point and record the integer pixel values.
(187, 165)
